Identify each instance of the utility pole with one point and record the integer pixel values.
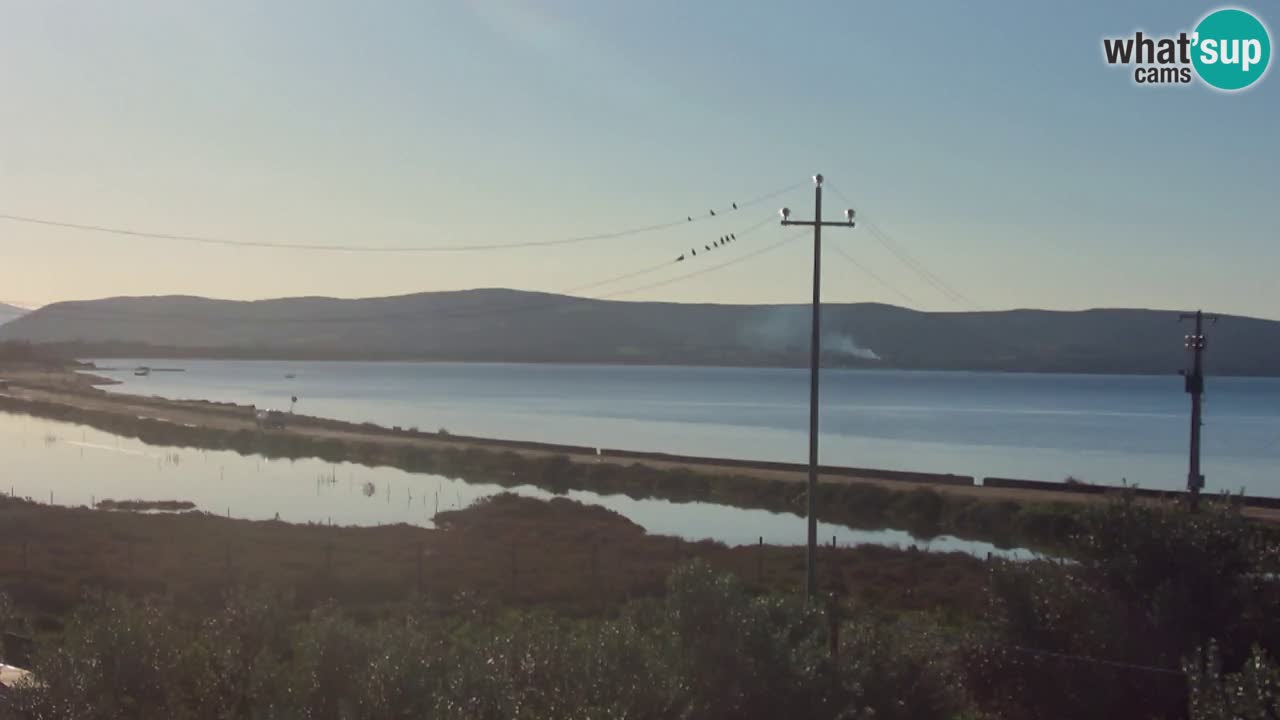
(815, 357)
(1195, 387)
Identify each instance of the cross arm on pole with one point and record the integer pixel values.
(811, 223)
(1193, 316)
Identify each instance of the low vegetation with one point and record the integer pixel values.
(519, 552)
(707, 648)
(1163, 614)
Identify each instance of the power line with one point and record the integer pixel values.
(209, 240)
(661, 265)
(479, 311)
(1097, 661)
(916, 266)
(872, 274)
(703, 271)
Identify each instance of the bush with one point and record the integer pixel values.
(1149, 584)
(1253, 693)
(709, 650)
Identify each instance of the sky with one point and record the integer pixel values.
(988, 140)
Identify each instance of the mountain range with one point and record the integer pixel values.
(517, 326)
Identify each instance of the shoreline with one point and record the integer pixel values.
(867, 367)
(1052, 490)
(1005, 513)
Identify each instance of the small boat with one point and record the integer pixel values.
(142, 371)
(289, 376)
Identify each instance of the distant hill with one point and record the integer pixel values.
(10, 312)
(516, 326)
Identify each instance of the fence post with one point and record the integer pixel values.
(595, 571)
(419, 567)
(514, 571)
(833, 626)
(760, 560)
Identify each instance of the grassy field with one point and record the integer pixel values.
(507, 550)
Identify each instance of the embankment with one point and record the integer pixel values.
(1005, 512)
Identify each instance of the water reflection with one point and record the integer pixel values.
(78, 465)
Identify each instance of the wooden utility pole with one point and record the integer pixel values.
(815, 357)
(1195, 387)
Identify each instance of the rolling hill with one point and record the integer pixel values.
(517, 326)
(10, 312)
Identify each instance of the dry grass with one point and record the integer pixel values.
(509, 551)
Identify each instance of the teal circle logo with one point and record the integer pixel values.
(1231, 49)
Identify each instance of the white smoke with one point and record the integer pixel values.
(786, 328)
(845, 345)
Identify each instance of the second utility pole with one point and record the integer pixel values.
(1195, 386)
(815, 357)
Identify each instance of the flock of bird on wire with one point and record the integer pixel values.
(722, 240)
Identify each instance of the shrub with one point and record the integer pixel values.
(1150, 582)
(708, 650)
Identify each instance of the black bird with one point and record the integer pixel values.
(690, 218)
(680, 259)
(695, 253)
(732, 236)
(735, 206)
(713, 213)
(706, 247)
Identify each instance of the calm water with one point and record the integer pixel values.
(80, 465)
(1097, 428)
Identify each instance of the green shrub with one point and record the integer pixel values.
(708, 650)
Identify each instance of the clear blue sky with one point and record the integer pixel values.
(989, 139)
